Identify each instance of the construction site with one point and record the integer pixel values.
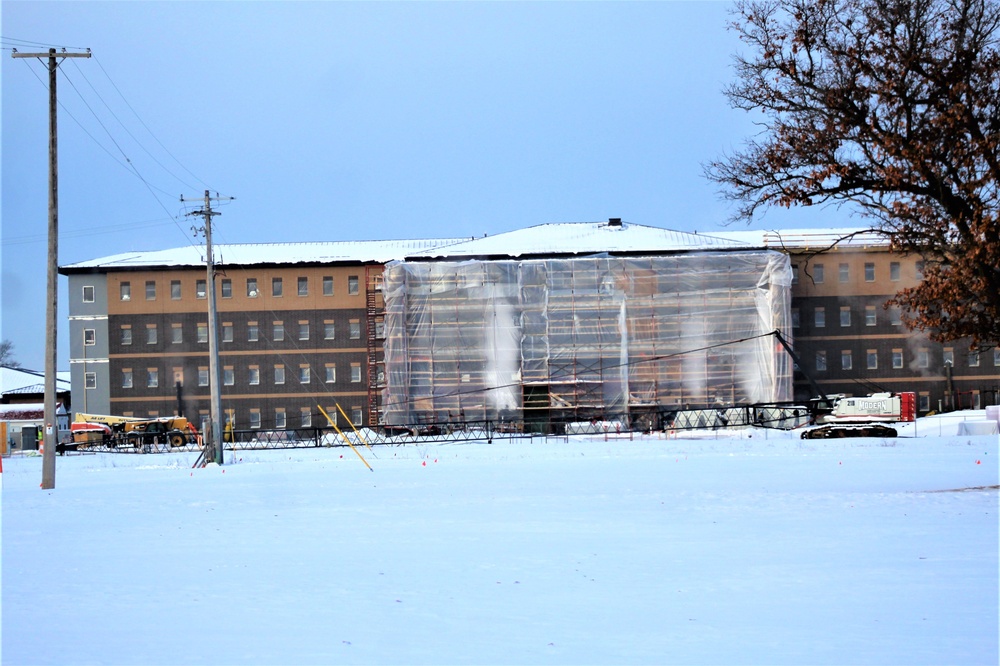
(544, 344)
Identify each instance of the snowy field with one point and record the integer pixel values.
(720, 548)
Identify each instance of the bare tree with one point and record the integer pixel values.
(7, 355)
(892, 107)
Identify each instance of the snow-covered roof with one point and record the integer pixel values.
(22, 381)
(582, 238)
(247, 254)
(807, 239)
(560, 238)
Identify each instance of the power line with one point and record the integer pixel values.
(128, 165)
(25, 42)
(127, 131)
(115, 86)
(93, 231)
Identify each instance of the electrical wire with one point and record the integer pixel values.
(127, 131)
(139, 118)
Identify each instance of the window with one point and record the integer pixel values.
(895, 316)
(175, 290)
(845, 316)
(279, 374)
(795, 274)
(919, 270)
(88, 294)
(178, 376)
(820, 317)
(227, 288)
(89, 337)
(252, 331)
(894, 271)
(126, 335)
(252, 288)
(845, 272)
(303, 330)
(948, 356)
(305, 417)
(380, 329)
(796, 321)
(278, 333)
(897, 359)
(996, 357)
(152, 377)
(331, 373)
(355, 329)
(150, 290)
(279, 418)
(328, 330)
(151, 334)
(871, 317)
(276, 286)
(202, 332)
(303, 286)
(90, 380)
(176, 334)
(334, 414)
(227, 331)
(352, 285)
(125, 291)
(356, 416)
(200, 289)
(254, 418)
(228, 376)
(973, 359)
(872, 359)
(819, 274)
(328, 285)
(253, 375)
(821, 360)
(925, 401)
(845, 359)
(923, 358)
(202, 376)
(869, 271)
(127, 378)
(355, 372)
(304, 374)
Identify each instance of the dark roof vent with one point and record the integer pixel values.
(614, 221)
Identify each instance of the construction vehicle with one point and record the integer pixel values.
(838, 415)
(867, 416)
(91, 430)
(823, 416)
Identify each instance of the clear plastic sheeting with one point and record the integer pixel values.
(546, 341)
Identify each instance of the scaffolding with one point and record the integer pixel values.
(374, 331)
(545, 342)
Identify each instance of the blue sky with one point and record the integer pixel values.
(357, 120)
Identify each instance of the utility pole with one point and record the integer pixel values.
(215, 441)
(51, 433)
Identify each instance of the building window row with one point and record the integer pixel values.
(279, 418)
(921, 359)
(226, 288)
(818, 271)
(871, 316)
(303, 374)
(302, 332)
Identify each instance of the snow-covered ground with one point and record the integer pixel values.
(723, 548)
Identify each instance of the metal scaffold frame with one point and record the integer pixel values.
(552, 342)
